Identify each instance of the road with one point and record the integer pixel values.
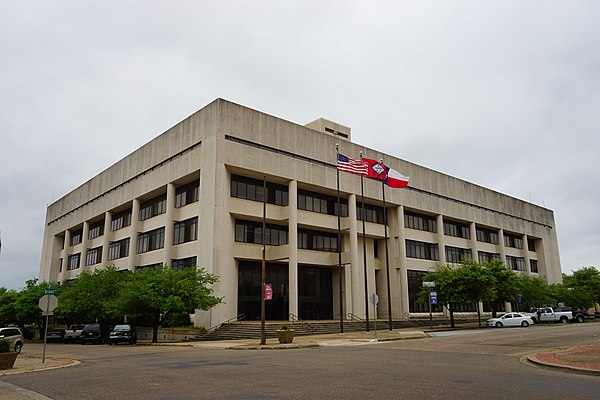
(477, 364)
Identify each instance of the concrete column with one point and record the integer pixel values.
(106, 238)
(85, 244)
(293, 246)
(135, 223)
(402, 264)
(355, 296)
(64, 254)
(441, 239)
(501, 245)
(169, 225)
(525, 253)
(473, 241)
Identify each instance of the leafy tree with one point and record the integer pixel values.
(91, 297)
(583, 287)
(535, 290)
(160, 293)
(27, 304)
(505, 284)
(476, 282)
(8, 306)
(449, 287)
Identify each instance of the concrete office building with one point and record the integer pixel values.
(193, 196)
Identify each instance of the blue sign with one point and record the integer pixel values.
(519, 298)
(433, 297)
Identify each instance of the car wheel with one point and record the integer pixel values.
(18, 347)
(524, 324)
(580, 318)
(499, 324)
(564, 320)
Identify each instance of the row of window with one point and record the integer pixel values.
(429, 251)
(184, 195)
(252, 189)
(183, 232)
(176, 264)
(277, 235)
(451, 228)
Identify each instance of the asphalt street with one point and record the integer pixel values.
(484, 363)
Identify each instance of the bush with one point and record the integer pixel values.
(4, 346)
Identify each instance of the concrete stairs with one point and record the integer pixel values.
(250, 330)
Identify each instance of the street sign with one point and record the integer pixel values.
(519, 298)
(374, 298)
(428, 284)
(50, 290)
(433, 297)
(48, 302)
(268, 291)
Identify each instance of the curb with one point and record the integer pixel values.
(549, 359)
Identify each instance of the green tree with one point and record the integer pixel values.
(478, 283)
(158, 294)
(505, 286)
(8, 306)
(91, 297)
(535, 290)
(27, 304)
(583, 287)
(450, 288)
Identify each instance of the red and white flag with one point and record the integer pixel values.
(391, 177)
(376, 169)
(395, 179)
(347, 164)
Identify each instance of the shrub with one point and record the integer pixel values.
(4, 346)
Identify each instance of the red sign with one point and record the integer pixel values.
(268, 291)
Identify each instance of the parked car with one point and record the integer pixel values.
(510, 319)
(55, 335)
(14, 336)
(73, 334)
(549, 314)
(93, 333)
(123, 333)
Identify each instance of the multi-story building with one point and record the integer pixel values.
(193, 197)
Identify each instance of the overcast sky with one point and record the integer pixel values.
(504, 94)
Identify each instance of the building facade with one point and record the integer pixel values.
(193, 197)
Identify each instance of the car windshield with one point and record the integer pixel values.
(121, 328)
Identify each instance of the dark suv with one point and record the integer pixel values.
(93, 333)
(123, 333)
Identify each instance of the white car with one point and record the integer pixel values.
(510, 319)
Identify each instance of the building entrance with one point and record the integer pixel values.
(249, 291)
(315, 294)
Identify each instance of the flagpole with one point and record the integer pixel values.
(387, 258)
(339, 243)
(263, 334)
(364, 216)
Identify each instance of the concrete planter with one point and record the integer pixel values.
(7, 360)
(285, 336)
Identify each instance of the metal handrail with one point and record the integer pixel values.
(294, 318)
(239, 318)
(353, 317)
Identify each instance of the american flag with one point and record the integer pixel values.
(347, 164)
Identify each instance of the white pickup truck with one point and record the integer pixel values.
(549, 314)
(73, 334)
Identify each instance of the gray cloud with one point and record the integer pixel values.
(504, 95)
